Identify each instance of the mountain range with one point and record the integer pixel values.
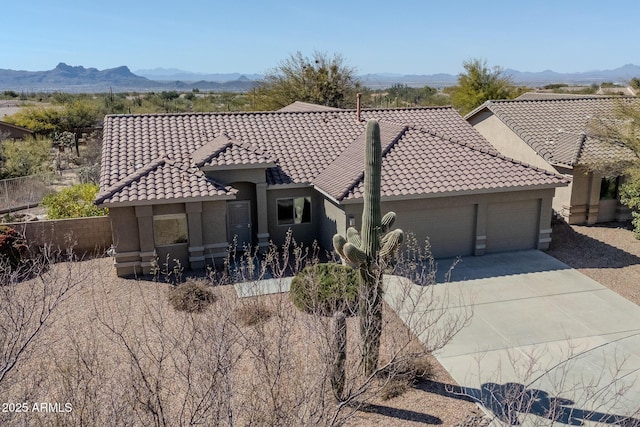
(66, 78)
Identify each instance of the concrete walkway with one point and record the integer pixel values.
(546, 345)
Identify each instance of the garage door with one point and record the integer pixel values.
(451, 231)
(513, 225)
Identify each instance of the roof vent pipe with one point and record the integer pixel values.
(358, 107)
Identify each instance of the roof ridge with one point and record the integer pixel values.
(347, 182)
(385, 150)
(132, 177)
(208, 156)
(274, 113)
(492, 153)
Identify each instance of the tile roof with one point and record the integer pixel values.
(145, 157)
(347, 170)
(163, 179)
(225, 151)
(422, 163)
(306, 106)
(556, 128)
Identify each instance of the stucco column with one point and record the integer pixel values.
(544, 228)
(261, 208)
(595, 180)
(148, 260)
(481, 228)
(196, 246)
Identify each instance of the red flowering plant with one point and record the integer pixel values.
(13, 248)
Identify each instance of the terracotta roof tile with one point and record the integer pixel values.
(449, 166)
(554, 128)
(296, 147)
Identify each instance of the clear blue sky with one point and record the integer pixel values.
(396, 36)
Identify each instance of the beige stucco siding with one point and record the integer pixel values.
(124, 228)
(506, 141)
(214, 223)
(332, 220)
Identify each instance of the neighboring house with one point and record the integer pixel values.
(10, 131)
(185, 186)
(553, 134)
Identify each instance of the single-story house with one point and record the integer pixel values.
(554, 134)
(186, 186)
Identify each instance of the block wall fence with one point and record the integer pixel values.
(87, 236)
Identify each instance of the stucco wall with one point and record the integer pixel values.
(86, 235)
(332, 220)
(506, 141)
(509, 144)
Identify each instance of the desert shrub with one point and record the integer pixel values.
(13, 248)
(192, 296)
(404, 374)
(21, 158)
(325, 289)
(253, 314)
(73, 202)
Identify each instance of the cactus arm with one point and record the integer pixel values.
(353, 254)
(387, 221)
(353, 236)
(393, 240)
(338, 244)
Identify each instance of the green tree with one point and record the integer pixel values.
(73, 202)
(41, 120)
(22, 158)
(321, 80)
(479, 83)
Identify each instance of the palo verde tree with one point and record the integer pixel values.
(370, 250)
(321, 80)
(480, 83)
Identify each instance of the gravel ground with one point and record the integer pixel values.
(608, 253)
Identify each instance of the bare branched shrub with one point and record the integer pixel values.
(128, 358)
(30, 298)
(193, 296)
(253, 313)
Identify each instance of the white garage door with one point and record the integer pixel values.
(451, 231)
(513, 225)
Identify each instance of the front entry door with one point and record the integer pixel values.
(239, 222)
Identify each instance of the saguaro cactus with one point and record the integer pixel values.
(362, 250)
(339, 347)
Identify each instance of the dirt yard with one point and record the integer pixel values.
(608, 253)
(117, 350)
(82, 361)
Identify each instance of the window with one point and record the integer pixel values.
(296, 210)
(170, 229)
(609, 189)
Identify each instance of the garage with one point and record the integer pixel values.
(512, 226)
(451, 230)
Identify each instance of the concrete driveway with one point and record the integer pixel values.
(546, 344)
